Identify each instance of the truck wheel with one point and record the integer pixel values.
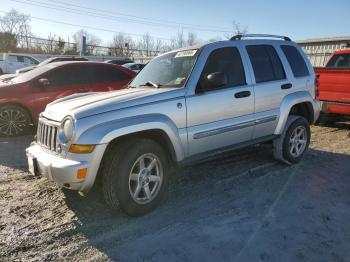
(294, 141)
(14, 121)
(135, 175)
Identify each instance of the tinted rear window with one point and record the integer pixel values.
(295, 60)
(340, 60)
(103, 74)
(266, 64)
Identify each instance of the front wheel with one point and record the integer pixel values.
(294, 141)
(135, 175)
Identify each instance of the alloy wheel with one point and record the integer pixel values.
(298, 141)
(145, 178)
(12, 122)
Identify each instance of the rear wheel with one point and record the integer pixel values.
(14, 120)
(294, 141)
(135, 175)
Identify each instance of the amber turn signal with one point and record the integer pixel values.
(81, 173)
(81, 149)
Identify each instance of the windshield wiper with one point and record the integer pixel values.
(150, 83)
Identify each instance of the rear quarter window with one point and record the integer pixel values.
(295, 60)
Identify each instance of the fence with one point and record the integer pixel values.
(29, 44)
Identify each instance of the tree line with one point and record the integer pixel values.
(16, 36)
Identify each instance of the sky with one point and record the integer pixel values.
(299, 19)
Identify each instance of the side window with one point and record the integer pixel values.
(103, 74)
(20, 59)
(295, 60)
(68, 76)
(266, 64)
(226, 60)
(12, 58)
(28, 60)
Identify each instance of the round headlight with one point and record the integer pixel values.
(67, 130)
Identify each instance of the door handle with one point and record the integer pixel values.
(286, 86)
(242, 94)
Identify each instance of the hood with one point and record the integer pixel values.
(88, 104)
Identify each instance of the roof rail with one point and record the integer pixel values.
(239, 37)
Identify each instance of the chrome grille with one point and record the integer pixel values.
(47, 135)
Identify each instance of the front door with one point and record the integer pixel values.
(220, 116)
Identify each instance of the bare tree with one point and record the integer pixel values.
(122, 44)
(147, 44)
(192, 39)
(237, 29)
(8, 42)
(17, 24)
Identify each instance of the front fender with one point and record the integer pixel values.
(289, 101)
(104, 133)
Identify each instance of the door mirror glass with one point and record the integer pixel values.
(43, 82)
(214, 80)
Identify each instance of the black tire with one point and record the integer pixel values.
(283, 147)
(1, 72)
(14, 121)
(116, 176)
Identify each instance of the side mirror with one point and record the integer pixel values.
(214, 80)
(43, 82)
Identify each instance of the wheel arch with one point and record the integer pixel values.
(298, 103)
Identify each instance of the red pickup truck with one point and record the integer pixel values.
(334, 86)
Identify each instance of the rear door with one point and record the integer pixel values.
(272, 84)
(105, 77)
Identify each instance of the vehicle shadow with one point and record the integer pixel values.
(337, 125)
(12, 151)
(213, 208)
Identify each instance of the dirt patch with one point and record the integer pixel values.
(242, 206)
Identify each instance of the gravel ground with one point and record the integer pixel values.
(242, 206)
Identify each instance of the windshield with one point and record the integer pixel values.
(171, 69)
(24, 77)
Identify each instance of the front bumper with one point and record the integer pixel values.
(64, 170)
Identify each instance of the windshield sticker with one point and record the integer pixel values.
(186, 53)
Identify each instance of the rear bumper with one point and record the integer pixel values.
(64, 170)
(330, 107)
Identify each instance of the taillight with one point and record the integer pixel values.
(317, 86)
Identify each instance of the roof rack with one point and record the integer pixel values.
(239, 37)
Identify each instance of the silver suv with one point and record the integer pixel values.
(182, 106)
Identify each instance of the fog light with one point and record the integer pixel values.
(81, 173)
(81, 149)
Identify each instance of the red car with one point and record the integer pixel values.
(334, 87)
(25, 96)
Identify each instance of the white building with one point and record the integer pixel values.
(319, 49)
